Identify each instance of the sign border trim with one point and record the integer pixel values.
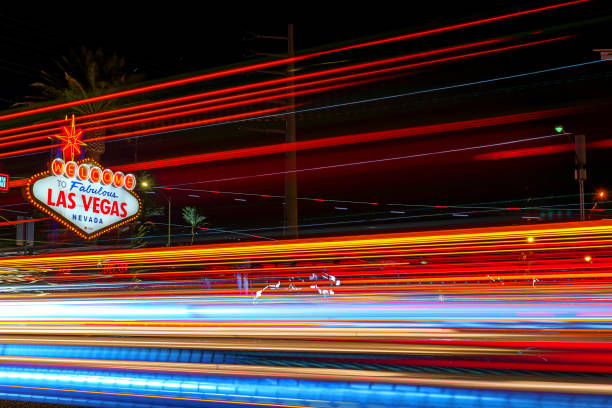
(64, 221)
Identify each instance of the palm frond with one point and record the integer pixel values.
(75, 87)
(191, 216)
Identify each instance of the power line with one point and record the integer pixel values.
(386, 159)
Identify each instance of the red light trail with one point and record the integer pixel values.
(243, 87)
(540, 150)
(374, 161)
(346, 140)
(147, 119)
(195, 123)
(458, 26)
(247, 87)
(333, 141)
(31, 150)
(159, 129)
(284, 61)
(23, 221)
(528, 151)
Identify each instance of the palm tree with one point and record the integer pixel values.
(83, 74)
(190, 214)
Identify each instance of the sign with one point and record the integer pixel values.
(85, 197)
(4, 182)
(71, 140)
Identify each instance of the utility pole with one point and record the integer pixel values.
(25, 233)
(169, 200)
(580, 172)
(290, 210)
(291, 206)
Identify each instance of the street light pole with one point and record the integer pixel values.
(169, 200)
(169, 218)
(25, 244)
(153, 190)
(580, 172)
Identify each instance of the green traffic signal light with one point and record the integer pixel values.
(559, 129)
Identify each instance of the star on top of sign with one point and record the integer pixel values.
(71, 140)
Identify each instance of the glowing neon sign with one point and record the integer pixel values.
(71, 140)
(4, 182)
(85, 197)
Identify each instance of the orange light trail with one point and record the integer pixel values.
(499, 241)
